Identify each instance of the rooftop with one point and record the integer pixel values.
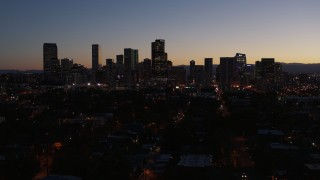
(270, 132)
(195, 160)
(282, 146)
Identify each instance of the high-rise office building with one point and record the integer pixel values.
(208, 70)
(177, 76)
(110, 72)
(199, 75)
(66, 68)
(66, 65)
(227, 72)
(131, 58)
(147, 70)
(268, 73)
(191, 78)
(159, 61)
(50, 61)
(50, 53)
(266, 67)
(119, 59)
(95, 57)
(248, 75)
(240, 65)
(79, 74)
(135, 59)
(119, 69)
(109, 63)
(241, 62)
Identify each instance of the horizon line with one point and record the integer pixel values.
(173, 66)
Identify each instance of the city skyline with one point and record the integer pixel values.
(286, 30)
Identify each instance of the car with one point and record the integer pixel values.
(244, 176)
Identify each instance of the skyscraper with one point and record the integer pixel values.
(208, 70)
(177, 76)
(226, 72)
(241, 62)
(268, 73)
(159, 61)
(95, 57)
(131, 57)
(119, 69)
(50, 61)
(240, 65)
(199, 75)
(147, 70)
(192, 72)
(66, 67)
(267, 68)
(135, 59)
(110, 71)
(119, 59)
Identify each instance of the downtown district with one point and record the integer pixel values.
(152, 120)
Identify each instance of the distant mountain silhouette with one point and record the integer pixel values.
(12, 71)
(291, 68)
(301, 68)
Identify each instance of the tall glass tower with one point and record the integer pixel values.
(159, 61)
(95, 57)
(50, 60)
(208, 70)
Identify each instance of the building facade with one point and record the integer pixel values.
(226, 72)
(159, 61)
(131, 59)
(208, 71)
(51, 64)
(95, 57)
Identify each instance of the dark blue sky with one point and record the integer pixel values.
(193, 29)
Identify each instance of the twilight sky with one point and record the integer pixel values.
(288, 30)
